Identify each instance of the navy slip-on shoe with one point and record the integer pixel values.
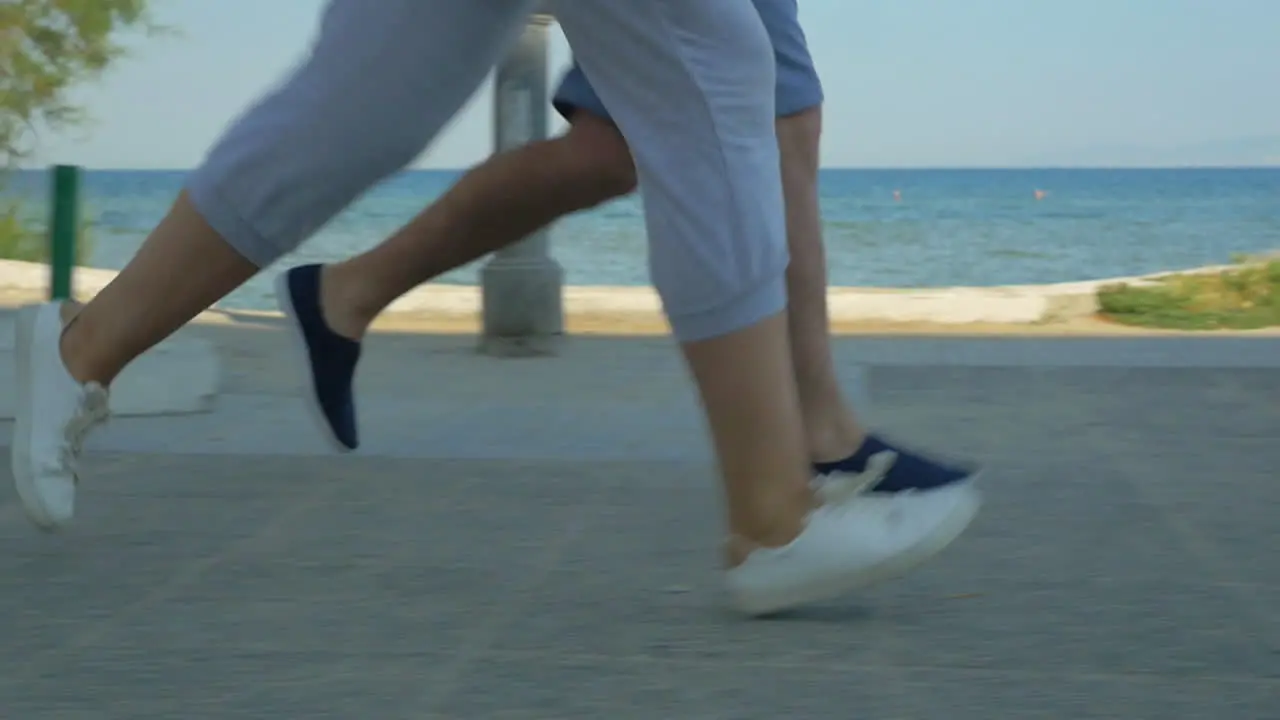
(910, 471)
(329, 358)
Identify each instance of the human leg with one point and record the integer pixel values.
(518, 191)
(713, 206)
(502, 200)
(294, 161)
(836, 440)
(281, 171)
(495, 204)
(831, 429)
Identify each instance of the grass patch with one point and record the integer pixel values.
(1242, 298)
(23, 239)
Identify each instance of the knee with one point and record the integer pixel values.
(599, 158)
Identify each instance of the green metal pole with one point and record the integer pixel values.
(64, 228)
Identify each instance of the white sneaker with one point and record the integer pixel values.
(854, 539)
(53, 416)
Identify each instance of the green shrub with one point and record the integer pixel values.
(1243, 298)
(23, 239)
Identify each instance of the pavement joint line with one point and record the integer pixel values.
(478, 642)
(1225, 573)
(48, 659)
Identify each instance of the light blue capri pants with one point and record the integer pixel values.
(690, 84)
(798, 86)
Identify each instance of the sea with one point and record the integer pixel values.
(884, 228)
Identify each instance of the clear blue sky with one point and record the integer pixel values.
(909, 83)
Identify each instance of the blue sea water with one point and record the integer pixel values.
(949, 227)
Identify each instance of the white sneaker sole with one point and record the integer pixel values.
(302, 358)
(20, 451)
(832, 586)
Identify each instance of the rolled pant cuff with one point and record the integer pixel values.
(760, 302)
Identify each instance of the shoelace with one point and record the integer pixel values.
(91, 411)
(840, 488)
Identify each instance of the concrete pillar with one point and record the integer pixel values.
(521, 285)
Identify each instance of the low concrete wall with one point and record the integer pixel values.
(1014, 304)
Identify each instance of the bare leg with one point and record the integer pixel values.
(767, 492)
(713, 202)
(836, 441)
(494, 205)
(832, 431)
(379, 84)
(721, 271)
(182, 268)
(358, 110)
(517, 192)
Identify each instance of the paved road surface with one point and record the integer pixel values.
(550, 554)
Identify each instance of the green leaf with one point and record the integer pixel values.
(47, 48)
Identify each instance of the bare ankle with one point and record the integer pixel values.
(738, 546)
(340, 302)
(73, 347)
(774, 529)
(834, 438)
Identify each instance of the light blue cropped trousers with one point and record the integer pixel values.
(797, 87)
(690, 84)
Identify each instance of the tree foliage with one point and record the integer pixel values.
(47, 47)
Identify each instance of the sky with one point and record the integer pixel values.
(909, 83)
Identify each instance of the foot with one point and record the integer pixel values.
(909, 471)
(329, 358)
(857, 537)
(54, 415)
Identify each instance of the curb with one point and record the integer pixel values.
(1008, 304)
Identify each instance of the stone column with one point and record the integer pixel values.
(521, 285)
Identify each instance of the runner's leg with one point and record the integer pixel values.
(382, 79)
